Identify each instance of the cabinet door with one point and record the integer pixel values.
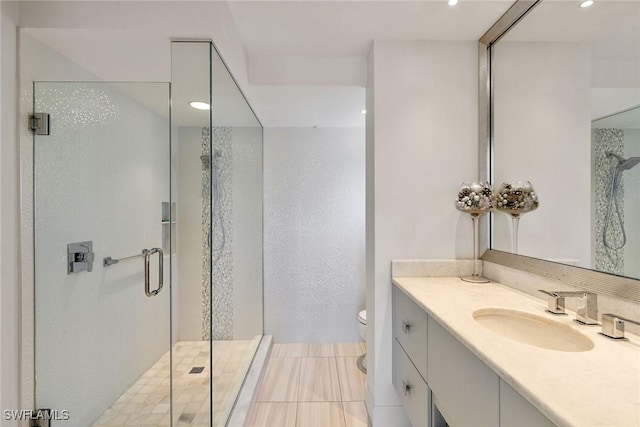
(410, 328)
(464, 388)
(411, 387)
(516, 411)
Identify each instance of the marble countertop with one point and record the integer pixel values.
(599, 387)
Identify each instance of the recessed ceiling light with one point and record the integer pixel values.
(198, 105)
(364, 111)
(453, 2)
(586, 3)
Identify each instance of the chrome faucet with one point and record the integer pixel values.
(613, 326)
(587, 310)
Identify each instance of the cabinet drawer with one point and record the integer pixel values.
(411, 387)
(465, 389)
(410, 328)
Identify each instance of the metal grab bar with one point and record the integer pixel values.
(146, 253)
(108, 261)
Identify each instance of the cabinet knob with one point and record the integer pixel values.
(406, 388)
(405, 326)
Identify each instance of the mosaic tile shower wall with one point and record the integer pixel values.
(217, 300)
(607, 141)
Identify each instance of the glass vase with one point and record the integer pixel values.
(515, 199)
(476, 199)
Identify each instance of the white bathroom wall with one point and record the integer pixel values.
(9, 214)
(245, 284)
(314, 195)
(423, 145)
(189, 233)
(247, 198)
(543, 135)
(632, 204)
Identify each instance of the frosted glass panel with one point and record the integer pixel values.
(101, 176)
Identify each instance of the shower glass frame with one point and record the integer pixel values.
(229, 130)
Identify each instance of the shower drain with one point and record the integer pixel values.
(196, 370)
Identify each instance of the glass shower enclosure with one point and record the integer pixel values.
(217, 144)
(148, 246)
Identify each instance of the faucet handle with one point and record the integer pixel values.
(555, 302)
(587, 310)
(613, 326)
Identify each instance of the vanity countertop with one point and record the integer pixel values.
(599, 387)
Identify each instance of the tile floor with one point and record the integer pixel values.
(308, 385)
(147, 401)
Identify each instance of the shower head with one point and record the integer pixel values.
(206, 161)
(628, 163)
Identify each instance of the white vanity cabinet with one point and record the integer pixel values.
(465, 390)
(431, 368)
(516, 411)
(410, 357)
(411, 387)
(410, 329)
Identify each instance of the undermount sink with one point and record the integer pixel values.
(533, 330)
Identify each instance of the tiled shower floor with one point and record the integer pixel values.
(147, 401)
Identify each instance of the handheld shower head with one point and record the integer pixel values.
(628, 163)
(206, 162)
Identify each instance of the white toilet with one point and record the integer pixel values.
(362, 330)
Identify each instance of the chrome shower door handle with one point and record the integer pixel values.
(147, 260)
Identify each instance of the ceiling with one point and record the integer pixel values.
(305, 60)
(629, 119)
(302, 63)
(309, 28)
(612, 28)
(291, 34)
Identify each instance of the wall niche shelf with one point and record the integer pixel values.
(168, 233)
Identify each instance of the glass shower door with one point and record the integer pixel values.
(102, 224)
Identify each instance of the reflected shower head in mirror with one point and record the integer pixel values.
(613, 206)
(627, 164)
(623, 164)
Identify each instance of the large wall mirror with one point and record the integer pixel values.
(566, 117)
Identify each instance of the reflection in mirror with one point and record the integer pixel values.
(217, 299)
(616, 172)
(556, 71)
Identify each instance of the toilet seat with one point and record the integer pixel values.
(362, 317)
